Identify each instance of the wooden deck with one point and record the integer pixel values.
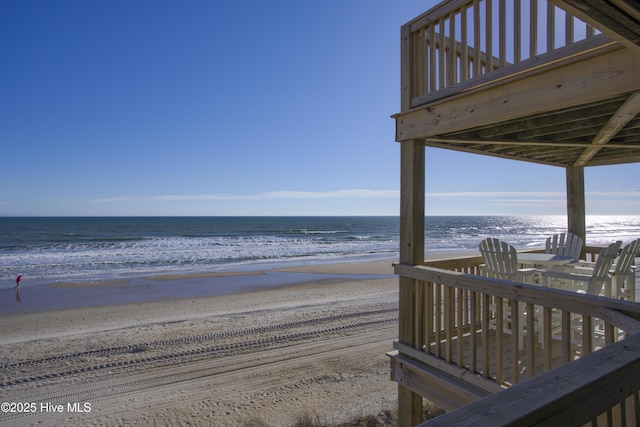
(460, 356)
(551, 82)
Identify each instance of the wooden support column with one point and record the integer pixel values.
(576, 210)
(412, 202)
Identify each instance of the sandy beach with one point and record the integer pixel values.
(310, 343)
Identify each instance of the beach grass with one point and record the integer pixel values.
(384, 418)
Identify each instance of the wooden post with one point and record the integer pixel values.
(576, 210)
(412, 201)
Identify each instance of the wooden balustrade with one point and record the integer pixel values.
(599, 389)
(463, 334)
(460, 41)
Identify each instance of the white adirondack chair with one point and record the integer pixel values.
(595, 277)
(501, 262)
(566, 244)
(588, 278)
(624, 274)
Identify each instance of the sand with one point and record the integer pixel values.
(311, 343)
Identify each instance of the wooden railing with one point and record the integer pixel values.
(458, 314)
(602, 386)
(457, 43)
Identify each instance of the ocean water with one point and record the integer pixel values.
(49, 250)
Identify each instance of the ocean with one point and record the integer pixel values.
(63, 249)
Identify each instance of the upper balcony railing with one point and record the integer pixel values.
(454, 45)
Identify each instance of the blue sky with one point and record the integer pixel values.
(114, 107)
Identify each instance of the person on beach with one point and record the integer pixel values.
(18, 280)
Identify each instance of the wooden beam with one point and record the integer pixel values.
(627, 112)
(577, 83)
(474, 150)
(570, 116)
(548, 126)
(525, 143)
(616, 160)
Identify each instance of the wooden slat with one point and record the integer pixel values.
(442, 59)
(420, 59)
(566, 336)
(438, 320)
(430, 325)
(452, 58)
(517, 30)
(609, 334)
(515, 342)
(530, 344)
(587, 334)
(464, 59)
(421, 314)
(475, 301)
(477, 41)
(551, 26)
(489, 35)
(405, 68)
(547, 342)
(433, 83)
(568, 28)
(499, 340)
(460, 322)
(502, 34)
(533, 28)
(449, 315)
(485, 335)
